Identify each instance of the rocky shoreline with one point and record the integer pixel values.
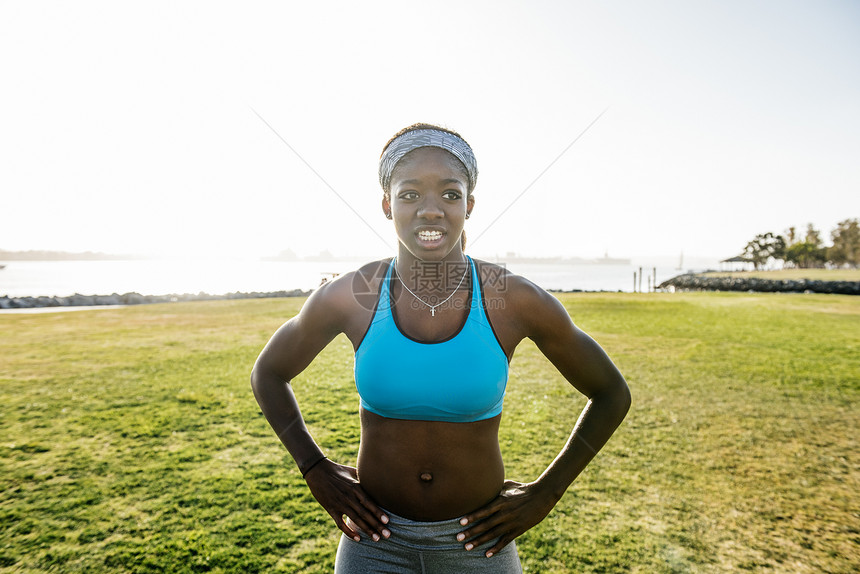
(686, 282)
(78, 300)
(693, 282)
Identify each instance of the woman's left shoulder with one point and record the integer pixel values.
(517, 308)
(517, 293)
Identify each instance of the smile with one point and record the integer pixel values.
(429, 235)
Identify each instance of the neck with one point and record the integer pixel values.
(407, 260)
(436, 276)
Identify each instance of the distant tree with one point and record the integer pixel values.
(764, 247)
(846, 244)
(807, 253)
(791, 236)
(804, 255)
(813, 236)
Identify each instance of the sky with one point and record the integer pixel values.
(244, 129)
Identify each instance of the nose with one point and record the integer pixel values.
(430, 209)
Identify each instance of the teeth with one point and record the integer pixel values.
(429, 235)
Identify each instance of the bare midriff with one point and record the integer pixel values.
(428, 470)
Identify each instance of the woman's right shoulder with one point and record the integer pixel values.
(351, 292)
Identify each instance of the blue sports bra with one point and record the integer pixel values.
(460, 379)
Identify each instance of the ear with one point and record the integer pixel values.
(470, 204)
(386, 205)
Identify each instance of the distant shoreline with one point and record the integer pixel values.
(115, 299)
(685, 282)
(43, 255)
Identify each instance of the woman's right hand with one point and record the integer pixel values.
(336, 488)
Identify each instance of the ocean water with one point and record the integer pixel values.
(216, 277)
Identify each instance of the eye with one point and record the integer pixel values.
(407, 195)
(452, 194)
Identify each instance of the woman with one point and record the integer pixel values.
(433, 333)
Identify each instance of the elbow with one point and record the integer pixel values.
(255, 381)
(263, 379)
(258, 379)
(621, 397)
(620, 391)
(624, 397)
(616, 397)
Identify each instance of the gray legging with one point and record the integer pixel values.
(421, 548)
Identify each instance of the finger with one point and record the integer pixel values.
(481, 513)
(488, 536)
(379, 518)
(359, 523)
(480, 527)
(372, 517)
(493, 506)
(345, 525)
(503, 541)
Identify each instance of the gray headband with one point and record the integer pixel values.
(426, 138)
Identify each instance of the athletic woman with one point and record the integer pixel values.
(433, 332)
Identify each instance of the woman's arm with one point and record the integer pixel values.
(588, 368)
(290, 350)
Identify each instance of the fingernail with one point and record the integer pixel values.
(385, 532)
(461, 537)
(375, 537)
(489, 554)
(469, 546)
(464, 521)
(384, 519)
(357, 538)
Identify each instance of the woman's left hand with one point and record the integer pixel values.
(517, 508)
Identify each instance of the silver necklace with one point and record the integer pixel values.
(432, 307)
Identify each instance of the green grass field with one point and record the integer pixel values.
(794, 274)
(131, 441)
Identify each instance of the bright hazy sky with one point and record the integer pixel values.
(130, 128)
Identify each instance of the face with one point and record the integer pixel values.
(429, 201)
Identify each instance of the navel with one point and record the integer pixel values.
(426, 477)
